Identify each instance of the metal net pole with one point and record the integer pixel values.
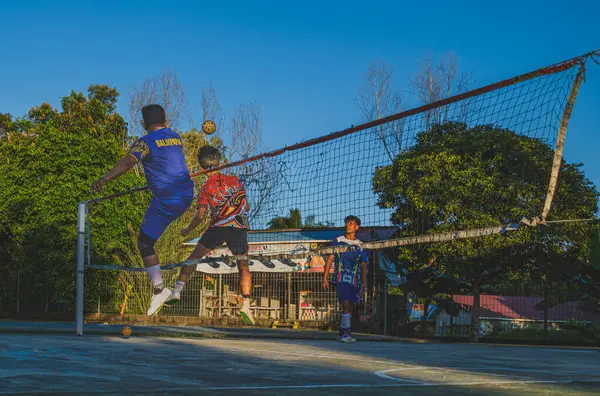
(81, 229)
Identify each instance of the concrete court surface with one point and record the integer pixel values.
(109, 364)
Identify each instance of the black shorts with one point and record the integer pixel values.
(236, 239)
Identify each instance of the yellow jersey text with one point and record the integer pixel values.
(168, 142)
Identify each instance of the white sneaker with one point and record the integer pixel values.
(247, 315)
(158, 300)
(175, 296)
(347, 338)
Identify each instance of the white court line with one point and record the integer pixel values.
(465, 370)
(383, 374)
(51, 373)
(403, 385)
(566, 350)
(406, 366)
(388, 363)
(326, 386)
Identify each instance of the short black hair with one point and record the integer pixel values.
(352, 218)
(154, 114)
(209, 157)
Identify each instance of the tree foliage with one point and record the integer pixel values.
(294, 221)
(457, 178)
(50, 157)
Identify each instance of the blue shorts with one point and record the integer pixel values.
(347, 292)
(163, 212)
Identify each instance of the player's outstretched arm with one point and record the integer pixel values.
(198, 219)
(121, 167)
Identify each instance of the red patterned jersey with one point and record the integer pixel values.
(225, 198)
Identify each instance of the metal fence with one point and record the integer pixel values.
(287, 296)
(299, 296)
(18, 297)
(498, 315)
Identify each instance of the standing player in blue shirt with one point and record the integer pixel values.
(161, 153)
(350, 273)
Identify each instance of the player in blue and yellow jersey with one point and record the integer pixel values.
(160, 152)
(350, 273)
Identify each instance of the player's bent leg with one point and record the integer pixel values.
(246, 288)
(211, 238)
(170, 210)
(159, 215)
(185, 272)
(245, 278)
(199, 251)
(237, 241)
(159, 292)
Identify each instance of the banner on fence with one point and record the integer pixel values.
(274, 244)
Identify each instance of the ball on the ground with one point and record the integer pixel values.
(209, 127)
(126, 331)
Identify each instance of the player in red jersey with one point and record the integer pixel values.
(223, 198)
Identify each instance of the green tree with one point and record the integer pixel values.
(294, 221)
(52, 156)
(193, 140)
(457, 178)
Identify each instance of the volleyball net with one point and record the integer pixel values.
(454, 169)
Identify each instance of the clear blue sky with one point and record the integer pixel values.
(302, 61)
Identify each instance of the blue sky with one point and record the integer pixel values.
(302, 61)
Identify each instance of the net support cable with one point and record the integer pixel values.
(560, 141)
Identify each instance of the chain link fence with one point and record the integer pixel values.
(294, 296)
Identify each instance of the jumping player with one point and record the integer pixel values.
(223, 198)
(350, 274)
(161, 153)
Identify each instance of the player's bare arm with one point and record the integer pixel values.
(326, 272)
(363, 276)
(121, 167)
(198, 218)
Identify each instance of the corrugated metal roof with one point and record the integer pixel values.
(523, 307)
